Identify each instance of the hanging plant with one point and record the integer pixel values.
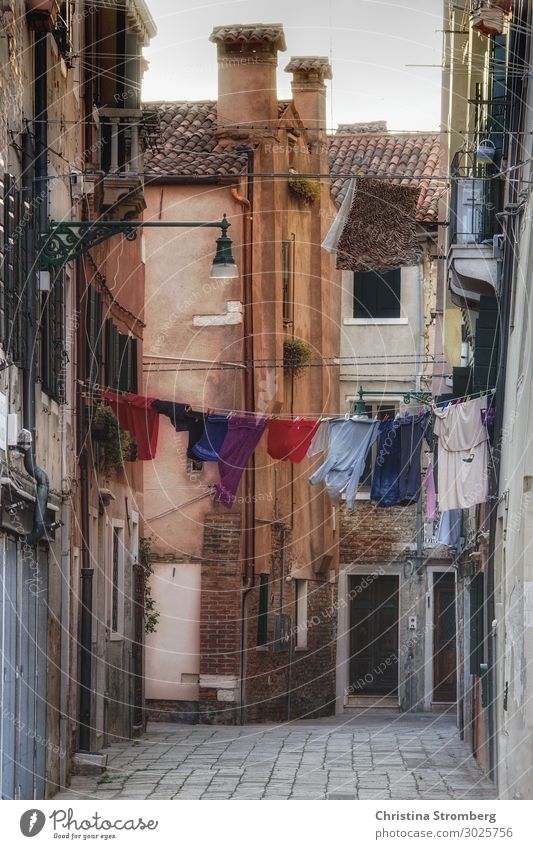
(296, 355)
(118, 445)
(306, 189)
(151, 614)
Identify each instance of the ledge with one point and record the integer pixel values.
(371, 322)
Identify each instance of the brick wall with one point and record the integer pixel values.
(220, 618)
(308, 675)
(371, 534)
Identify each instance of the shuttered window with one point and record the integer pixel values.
(476, 624)
(377, 295)
(262, 615)
(52, 359)
(120, 359)
(15, 245)
(93, 330)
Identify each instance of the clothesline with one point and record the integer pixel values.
(96, 390)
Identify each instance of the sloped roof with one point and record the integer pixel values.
(188, 145)
(404, 158)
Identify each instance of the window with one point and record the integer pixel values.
(262, 615)
(63, 30)
(476, 623)
(15, 247)
(93, 334)
(377, 295)
(287, 279)
(117, 580)
(120, 359)
(301, 613)
(52, 337)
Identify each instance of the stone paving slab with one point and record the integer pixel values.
(396, 756)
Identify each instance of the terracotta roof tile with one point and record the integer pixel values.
(245, 33)
(188, 144)
(189, 147)
(400, 157)
(310, 63)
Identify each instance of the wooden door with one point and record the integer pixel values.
(444, 638)
(374, 635)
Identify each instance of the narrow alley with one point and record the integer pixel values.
(368, 756)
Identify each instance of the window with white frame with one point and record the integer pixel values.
(301, 613)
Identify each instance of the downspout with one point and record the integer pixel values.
(29, 372)
(249, 404)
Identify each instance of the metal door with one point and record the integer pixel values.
(8, 632)
(26, 657)
(40, 675)
(374, 635)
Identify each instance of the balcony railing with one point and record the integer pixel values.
(475, 200)
(120, 140)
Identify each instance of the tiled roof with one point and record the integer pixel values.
(246, 33)
(310, 63)
(403, 158)
(188, 144)
(189, 147)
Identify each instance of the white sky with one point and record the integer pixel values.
(371, 42)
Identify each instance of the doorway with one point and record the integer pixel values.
(374, 615)
(444, 639)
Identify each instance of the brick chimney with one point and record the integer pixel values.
(309, 89)
(247, 63)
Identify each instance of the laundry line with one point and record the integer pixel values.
(95, 391)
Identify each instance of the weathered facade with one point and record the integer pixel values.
(248, 573)
(483, 317)
(56, 159)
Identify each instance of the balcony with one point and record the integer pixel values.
(488, 17)
(473, 258)
(123, 135)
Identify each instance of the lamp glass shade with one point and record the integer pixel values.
(223, 271)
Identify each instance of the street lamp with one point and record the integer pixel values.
(67, 240)
(224, 267)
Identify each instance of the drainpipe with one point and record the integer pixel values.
(249, 404)
(29, 372)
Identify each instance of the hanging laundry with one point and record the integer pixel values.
(385, 490)
(463, 479)
(381, 230)
(244, 433)
(413, 429)
(135, 414)
(431, 494)
(184, 420)
(335, 231)
(349, 443)
(450, 526)
(397, 474)
(320, 440)
(290, 439)
(208, 447)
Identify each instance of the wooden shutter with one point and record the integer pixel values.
(112, 355)
(377, 295)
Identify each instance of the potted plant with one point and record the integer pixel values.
(306, 189)
(42, 14)
(296, 355)
(102, 422)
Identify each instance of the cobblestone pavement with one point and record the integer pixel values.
(357, 757)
